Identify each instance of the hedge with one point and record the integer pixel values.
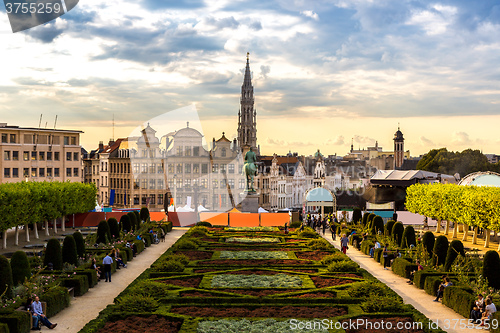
(4, 328)
(80, 283)
(148, 237)
(17, 321)
(140, 245)
(403, 267)
(366, 246)
(432, 283)
(458, 299)
(57, 299)
(91, 275)
(377, 254)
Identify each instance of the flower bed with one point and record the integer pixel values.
(254, 262)
(208, 270)
(192, 282)
(252, 240)
(321, 282)
(262, 312)
(197, 255)
(256, 281)
(151, 324)
(253, 255)
(312, 255)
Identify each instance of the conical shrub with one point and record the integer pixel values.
(356, 215)
(20, 267)
(440, 250)
(53, 254)
(114, 228)
(456, 247)
(80, 244)
(125, 223)
(103, 233)
(491, 268)
(388, 227)
(5, 277)
(133, 220)
(397, 232)
(144, 214)
(408, 237)
(69, 253)
(428, 240)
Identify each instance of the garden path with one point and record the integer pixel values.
(422, 301)
(85, 308)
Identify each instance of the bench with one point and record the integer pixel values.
(71, 292)
(44, 309)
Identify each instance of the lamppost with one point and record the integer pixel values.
(175, 191)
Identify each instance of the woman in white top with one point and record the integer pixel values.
(489, 311)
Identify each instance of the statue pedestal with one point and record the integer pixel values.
(250, 203)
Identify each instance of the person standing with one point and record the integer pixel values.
(333, 228)
(39, 316)
(385, 255)
(344, 241)
(107, 262)
(324, 226)
(395, 216)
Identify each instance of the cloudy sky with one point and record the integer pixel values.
(324, 72)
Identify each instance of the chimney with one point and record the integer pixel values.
(101, 145)
(111, 141)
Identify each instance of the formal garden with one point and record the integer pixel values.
(220, 279)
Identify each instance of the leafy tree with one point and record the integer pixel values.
(464, 163)
(53, 254)
(20, 267)
(69, 253)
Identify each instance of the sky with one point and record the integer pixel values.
(325, 73)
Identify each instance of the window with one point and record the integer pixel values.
(6, 155)
(49, 156)
(179, 151)
(15, 172)
(152, 199)
(15, 155)
(196, 168)
(4, 137)
(222, 183)
(136, 199)
(12, 138)
(215, 183)
(204, 183)
(66, 140)
(159, 168)
(223, 199)
(33, 155)
(41, 172)
(240, 168)
(68, 172)
(160, 199)
(188, 151)
(187, 183)
(144, 184)
(75, 156)
(56, 156)
(196, 151)
(144, 168)
(56, 172)
(152, 184)
(241, 184)
(75, 172)
(73, 140)
(152, 168)
(178, 168)
(204, 168)
(230, 168)
(170, 168)
(41, 155)
(135, 168)
(26, 155)
(215, 168)
(68, 156)
(33, 172)
(187, 168)
(223, 168)
(49, 172)
(144, 200)
(6, 172)
(26, 172)
(231, 183)
(223, 152)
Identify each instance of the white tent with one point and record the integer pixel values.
(202, 209)
(170, 208)
(262, 210)
(184, 209)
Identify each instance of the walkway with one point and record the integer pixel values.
(422, 301)
(85, 308)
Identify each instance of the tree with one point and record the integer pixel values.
(5, 277)
(377, 225)
(114, 228)
(20, 267)
(356, 215)
(80, 244)
(364, 220)
(408, 238)
(491, 268)
(69, 253)
(428, 242)
(103, 232)
(388, 227)
(133, 220)
(463, 163)
(144, 214)
(53, 254)
(125, 223)
(397, 232)
(440, 250)
(456, 247)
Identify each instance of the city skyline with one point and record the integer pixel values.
(323, 72)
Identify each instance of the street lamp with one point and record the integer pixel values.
(175, 191)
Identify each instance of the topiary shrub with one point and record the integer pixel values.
(343, 266)
(338, 256)
(428, 240)
(440, 250)
(408, 238)
(308, 233)
(114, 228)
(144, 214)
(69, 253)
(5, 276)
(367, 289)
(356, 215)
(491, 269)
(137, 219)
(364, 220)
(319, 244)
(369, 222)
(20, 267)
(295, 224)
(456, 247)
(103, 233)
(125, 223)
(53, 254)
(133, 221)
(397, 232)
(204, 224)
(185, 245)
(134, 304)
(198, 231)
(388, 227)
(149, 289)
(80, 244)
(377, 225)
(382, 304)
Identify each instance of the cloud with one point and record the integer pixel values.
(46, 33)
(337, 141)
(264, 70)
(226, 22)
(363, 140)
(426, 142)
(311, 14)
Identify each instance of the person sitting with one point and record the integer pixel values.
(39, 316)
(118, 258)
(28, 306)
(440, 292)
(155, 238)
(478, 309)
(372, 250)
(301, 227)
(97, 269)
(412, 273)
(489, 310)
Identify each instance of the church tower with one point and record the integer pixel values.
(247, 125)
(399, 142)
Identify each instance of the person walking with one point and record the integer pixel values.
(107, 262)
(344, 241)
(333, 228)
